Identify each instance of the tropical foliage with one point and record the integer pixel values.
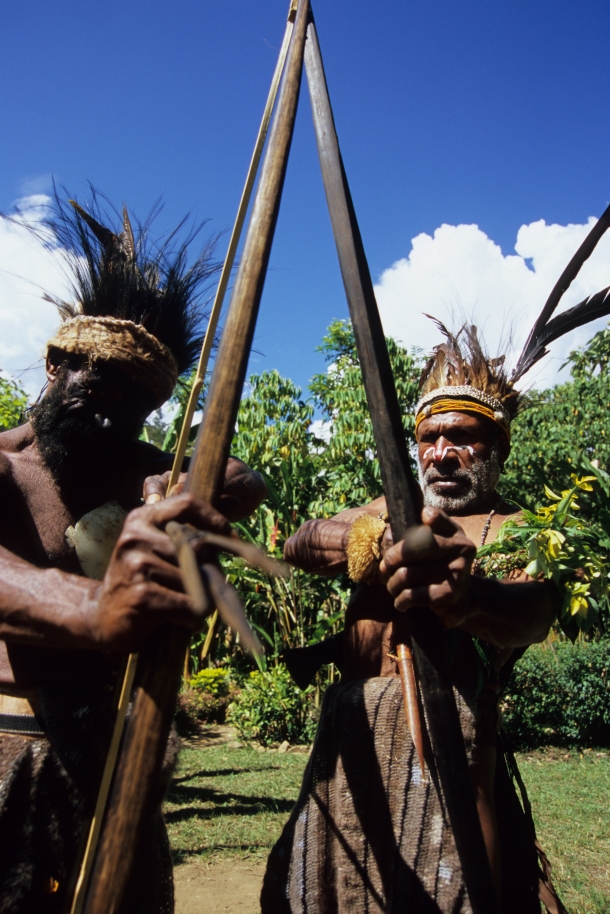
(270, 708)
(13, 401)
(559, 542)
(561, 423)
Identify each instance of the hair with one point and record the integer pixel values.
(122, 273)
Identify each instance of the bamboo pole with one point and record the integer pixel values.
(219, 298)
(161, 659)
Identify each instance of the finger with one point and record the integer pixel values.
(186, 508)
(418, 545)
(165, 605)
(436, 596)
(140, 537)
(439, 522)
(415, 575)
(155, 488)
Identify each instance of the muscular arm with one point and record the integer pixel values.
(142, 588)
(244, 490)
(45, 606)
(319, 545)
(510, 615)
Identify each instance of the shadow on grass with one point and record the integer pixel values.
(226, 804)
(186, 856)
(222, 772)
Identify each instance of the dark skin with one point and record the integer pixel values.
(507, 614)
(44, 601)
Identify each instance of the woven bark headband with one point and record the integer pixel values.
(129, 345)
(462, 399)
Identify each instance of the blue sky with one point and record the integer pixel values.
(487, 113)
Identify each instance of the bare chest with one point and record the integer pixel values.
(38, 509)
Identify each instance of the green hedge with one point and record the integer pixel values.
(270, 708)
(559, 695)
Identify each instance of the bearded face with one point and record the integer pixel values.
(460, 462)
(87, 418)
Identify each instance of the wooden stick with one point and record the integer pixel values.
(162, 658)
(404, 662)
(100, 806)
(401, 491)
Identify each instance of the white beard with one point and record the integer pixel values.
(483, 478)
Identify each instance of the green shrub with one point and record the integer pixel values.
(559, 695)
(270, 708)
(205, 700)
(215, 681)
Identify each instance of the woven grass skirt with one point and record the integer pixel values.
(368, 834)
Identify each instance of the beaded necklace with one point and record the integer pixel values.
(487, 525)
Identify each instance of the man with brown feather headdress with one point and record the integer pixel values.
(375, 830)
(369, 832)
(73, 598)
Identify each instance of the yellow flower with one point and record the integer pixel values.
(583, 482)
(285, 451)
(550, 494)
(550, 542)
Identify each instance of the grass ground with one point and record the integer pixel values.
(233, 803)
(570, 796)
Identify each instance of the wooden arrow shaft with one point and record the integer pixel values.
(401, 490)
(139, 765)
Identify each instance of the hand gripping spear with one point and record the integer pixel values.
(401, 491)
(161, 660)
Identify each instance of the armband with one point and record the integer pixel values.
(364, 548)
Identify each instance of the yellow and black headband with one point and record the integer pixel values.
(462, 399)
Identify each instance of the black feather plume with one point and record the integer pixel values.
(545, 330)
(588, 310)
(118, 272)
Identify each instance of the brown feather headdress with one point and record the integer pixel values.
(459, 376)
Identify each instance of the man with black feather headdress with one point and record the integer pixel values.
(72, 479)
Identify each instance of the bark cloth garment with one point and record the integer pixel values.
(367, 835)
(48, 788)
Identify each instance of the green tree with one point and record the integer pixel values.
(13, 401)
(350, 460)
(561, 423)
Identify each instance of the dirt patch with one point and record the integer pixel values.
(223, 887)
(206, 735)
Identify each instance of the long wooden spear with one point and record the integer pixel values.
(146, 734)
(401, 491)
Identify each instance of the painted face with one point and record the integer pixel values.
(460, 461)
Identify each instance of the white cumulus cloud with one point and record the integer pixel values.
(27, 270)
(460, 273)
